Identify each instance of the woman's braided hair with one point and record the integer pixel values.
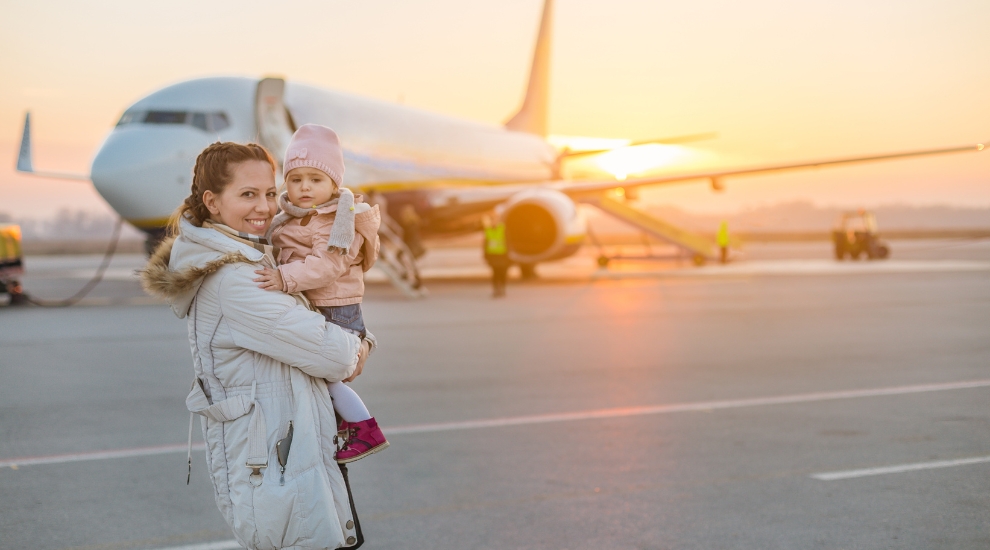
(212, 173)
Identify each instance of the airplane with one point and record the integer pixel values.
(438, 175)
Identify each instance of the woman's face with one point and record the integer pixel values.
(248, 202)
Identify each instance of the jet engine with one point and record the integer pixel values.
(541, 225)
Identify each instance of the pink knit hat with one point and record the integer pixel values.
(317, 147)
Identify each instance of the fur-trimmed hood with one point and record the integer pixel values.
(178, 266)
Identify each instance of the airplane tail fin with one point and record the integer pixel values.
(532, 115)
(24, 163)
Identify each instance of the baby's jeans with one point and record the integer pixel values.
(348, 318)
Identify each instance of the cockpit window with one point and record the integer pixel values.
(166, 117)
(210, 122)
(129, 117)
(199, 121)
(207, 122)
(217, 121)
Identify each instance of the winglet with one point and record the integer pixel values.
(532, 115)
(24, 163)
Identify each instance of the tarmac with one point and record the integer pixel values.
(784, 400)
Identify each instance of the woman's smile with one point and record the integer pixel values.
(260, 224)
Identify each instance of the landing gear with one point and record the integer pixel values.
(527, 272)
(152, 241)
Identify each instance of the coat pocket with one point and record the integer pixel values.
(295, 514)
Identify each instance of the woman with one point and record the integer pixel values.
(261, 360)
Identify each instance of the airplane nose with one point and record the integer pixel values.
(145, 173)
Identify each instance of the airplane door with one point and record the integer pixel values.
(275, 125)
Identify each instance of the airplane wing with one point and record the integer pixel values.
(25, 165)
(673, 140)
(480, 198)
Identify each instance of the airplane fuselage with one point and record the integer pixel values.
(144, 167)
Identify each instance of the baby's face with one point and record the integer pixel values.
(308, 186)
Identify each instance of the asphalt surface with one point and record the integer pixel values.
(705, 405)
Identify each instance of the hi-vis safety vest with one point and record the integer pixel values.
(495, 239)
(723, 234)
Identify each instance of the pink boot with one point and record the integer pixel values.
(363, 438)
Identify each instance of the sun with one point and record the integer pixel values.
(630, 161)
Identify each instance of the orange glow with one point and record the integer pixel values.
(631, 161)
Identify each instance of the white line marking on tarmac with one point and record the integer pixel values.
(682, 407)
(97, 455)
(849, 474)
(218, 545)
(702, 406)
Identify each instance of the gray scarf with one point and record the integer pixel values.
(342, 231)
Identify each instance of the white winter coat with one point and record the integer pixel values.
(247, 342)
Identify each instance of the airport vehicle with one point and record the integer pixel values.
(450, 172)
(11, 263)
(855, 234)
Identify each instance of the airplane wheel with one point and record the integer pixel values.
(603, 261)
(152, 241)
(527, 272)
(698, 260)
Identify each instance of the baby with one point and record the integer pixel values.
(328, 238)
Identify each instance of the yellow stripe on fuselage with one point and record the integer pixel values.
(151, 224)
(148, 224)
(386, 187)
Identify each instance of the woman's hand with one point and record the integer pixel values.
(362, 357)
(270, 279)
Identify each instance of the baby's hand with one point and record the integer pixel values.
(270, 279)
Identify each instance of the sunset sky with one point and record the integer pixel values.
(778, 80)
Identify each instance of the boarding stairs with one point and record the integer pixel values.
(396, 260)
(698, 247)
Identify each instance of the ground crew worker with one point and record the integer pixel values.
(496, 255)
(723, 240)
